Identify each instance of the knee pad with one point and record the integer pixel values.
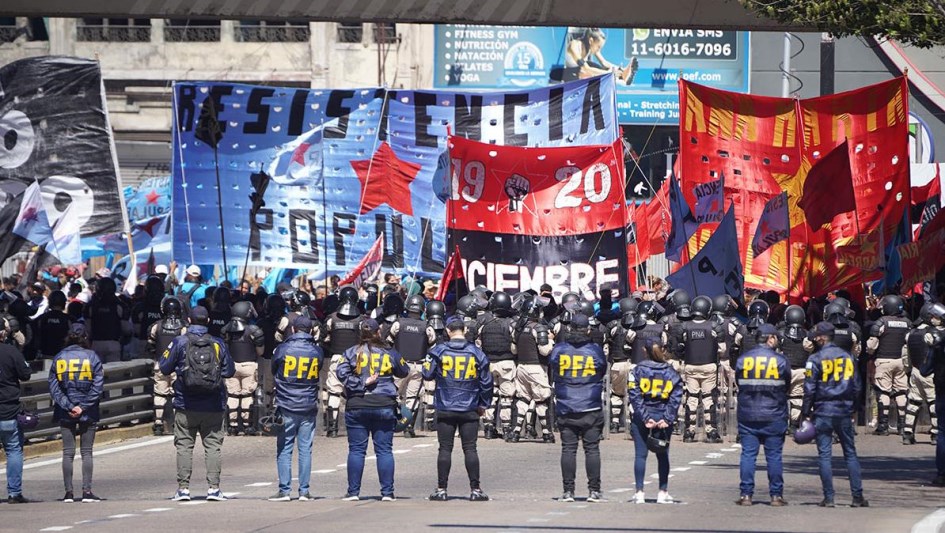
(334, 401)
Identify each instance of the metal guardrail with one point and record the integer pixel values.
(127, 397)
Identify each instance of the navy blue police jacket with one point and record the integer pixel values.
(655, 391)
(76, 379)
(295, 366)
(831, 385)
(463, 379)
(174, 359)
(578, 367)
(360, 362)
(764, 380)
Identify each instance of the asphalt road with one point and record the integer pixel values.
(137, 477)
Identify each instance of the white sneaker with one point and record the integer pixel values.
(350, 498)
(216, 495)
(664, 497)
(182, 495)
(638, 497)
(389, 498)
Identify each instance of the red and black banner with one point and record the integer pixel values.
(522, 217)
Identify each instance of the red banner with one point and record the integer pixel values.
(452, 272)
(765, 145)
(368, 268)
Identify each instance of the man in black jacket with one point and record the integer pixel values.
(13, 370)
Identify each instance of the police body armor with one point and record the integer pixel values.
(106, 322)
(527, 345)
(239, 341)
(843, 337)
(472, 326)
(151, 314)
(218, 319)
(597, 335)
(411, 341)
(749, 341)
(168, 330)
(638, 355)
(497, 339)
(615, 344)
(316, 324)
(792, 346)
(344, 333)
(673, 331)
(700, 347)
(890, 344)
(915, 345)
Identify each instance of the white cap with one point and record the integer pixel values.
(193, 270)
(161, 269)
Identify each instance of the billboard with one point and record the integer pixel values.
(647, 62)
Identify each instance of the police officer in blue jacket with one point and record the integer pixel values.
(295, 366)
(830, 393)
(578, 367)
(76, 384)
(655, 391)
(198, 411)
(367, 371)
(763, 377)
(463, 392)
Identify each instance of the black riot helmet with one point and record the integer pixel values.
(587, 309)
(393, 306)
(154, 289)
(221, 298)
(923, 312)
(569, 298)
(172, 308)
(244, 310)
(372, 296)
(937, 311)
(469, 306)
(414, 305)
(628, 308)
(648, 311)
(681, 302)
(300, 300)
(892, 305)
(845, 304)
(835, 313)
(701, 307)
(275, 306)
(758, 309)
(534, 307)
(436, 315)
(794, 315)
(721, 304)
(348, 298)
(501, 304)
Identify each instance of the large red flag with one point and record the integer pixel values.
(922, 259)
(452, 272)
(828, 190)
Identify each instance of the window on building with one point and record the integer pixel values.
(385, 32)
(114, 30)
(350, 32)
(186, 30)
(33, 30)
(263, 31)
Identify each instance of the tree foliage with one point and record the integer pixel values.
(917, 22)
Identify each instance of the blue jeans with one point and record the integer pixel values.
(754, 435)
(378, 424)
(298, 426)
(940, 441)
(843, 426)
(640, 433)
(12, 439)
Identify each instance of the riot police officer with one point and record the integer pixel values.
(469, 307)
(887, 337)
(147, 311)
(793, 334)
(343, 332)
(171, 325)
(436, 318)
(700, 344)
(935, 368)
(246, 343)
(598, 333)
(220, 313)
(673, 321)
(271, 315)
(722, 309)
(619, 360)
(411, 337)
(746, 335)
(847, 333)
(299, 305)
(496, 339)
(533, 344)
(52, 327)
(921, 388)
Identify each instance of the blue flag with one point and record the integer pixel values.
(710, 200)
(717, 268)
(683, 223)
(774, 225)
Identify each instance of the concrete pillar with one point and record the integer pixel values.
(227, 31)
(157, 31)
(321, 40)
(62, 36)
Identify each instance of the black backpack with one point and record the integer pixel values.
(202, 373)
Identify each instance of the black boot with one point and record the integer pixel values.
(489, 432)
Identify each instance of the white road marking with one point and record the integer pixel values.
(231, 494)
(157, 510)
(371, 458)
(126, 515)
(729, 449)
(698, 463)
(539, 520)
(99, 453)
(579, 506)
(681, 469)
(342, 465)
(56, 528)
(713, 455)
(398, 452)
(259, 484)
(194, 502)
(931, 523)
(618, 491)
(422, 445)
(326, 471)
(558, 513)
(736, 445)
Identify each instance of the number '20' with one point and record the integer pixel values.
(575, 177)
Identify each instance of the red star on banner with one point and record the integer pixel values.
(298, 156)
(30, 215)
(388, 182)
(153, 197)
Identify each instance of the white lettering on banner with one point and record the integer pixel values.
(581, 278)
